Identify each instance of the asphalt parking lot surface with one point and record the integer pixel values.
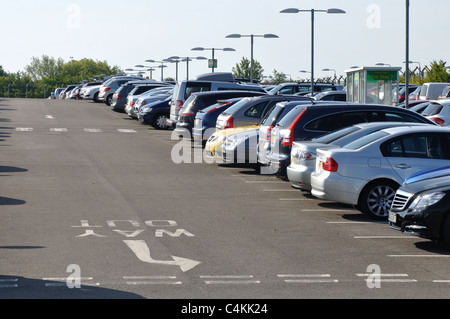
(93, 199)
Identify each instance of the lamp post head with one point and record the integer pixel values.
(234, 36)
(270, 36)
(290, 10)
(198, 49)
(335, 10)
(228, 49)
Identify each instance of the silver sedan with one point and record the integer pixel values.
(367, 172)
(303, 154)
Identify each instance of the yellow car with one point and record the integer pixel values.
(213, 147)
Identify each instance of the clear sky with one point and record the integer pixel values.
(126, 33)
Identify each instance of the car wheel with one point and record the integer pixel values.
(376, 198)
(160, 121)
(96, 100)
(109, 100)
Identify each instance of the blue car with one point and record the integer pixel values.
(156, 114)
(205, 120)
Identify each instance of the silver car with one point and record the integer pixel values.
(367, 172)
(304, 153)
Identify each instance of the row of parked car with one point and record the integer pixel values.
(365, 155)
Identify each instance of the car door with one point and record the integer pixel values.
(411, 153)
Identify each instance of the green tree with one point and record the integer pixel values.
(44, 67)
(243, 69)
(278, 77)
(437, 73)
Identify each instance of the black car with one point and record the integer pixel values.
(305, 122)
(201, 100)
(421, 206)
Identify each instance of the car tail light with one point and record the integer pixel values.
(330, 165)
(106, 89)
(228, 123)
(178, 105)
(437, 120)
(269, 133)
(132, 104)
(187, 114)
(118, 97)
(288, 136)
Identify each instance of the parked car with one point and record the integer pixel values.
(421, 206)
(91, 93)
(340, 96)
(250, 111)
(304, 154)
(431, 91)
(155, 113)
(213, 147)
(57, 92)
(204, 82)
(402, 92)
(445, 94)
(306, 122)
(129, 89)
(415, 94)
(201, 100)
(441, 113)
(367, 172)
(419, 107)
(66, 91)
(205, 120)
(109, 87)
(303, 88)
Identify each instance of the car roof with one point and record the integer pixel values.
(417, 129)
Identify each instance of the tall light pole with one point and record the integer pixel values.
(150, 69)
(186, 59)
(213, 50)
(312, 11)
(162, 66)
(251, 36)
(407, 56)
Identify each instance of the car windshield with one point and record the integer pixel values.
(275, 89)
(365, 140)
(291, 116)
(430, 109)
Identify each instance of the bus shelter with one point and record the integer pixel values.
(373, 85)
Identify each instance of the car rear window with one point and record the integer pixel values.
(236, 106)
(363, 141)
(291, 116)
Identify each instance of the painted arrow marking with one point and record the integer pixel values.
(142, 252)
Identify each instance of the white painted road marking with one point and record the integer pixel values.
(126, 131)
(142, 252)
(58, 129)
(229, 279)
(92, 130)
(24, 129)
(307, 278)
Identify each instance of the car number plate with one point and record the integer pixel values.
(392, 217)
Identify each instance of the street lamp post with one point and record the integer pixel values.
(312, 11)
(213, 50)
(159, 66)
(251, 36)
(407, 56)
(150, 69)
(334, 71)
(185, 59)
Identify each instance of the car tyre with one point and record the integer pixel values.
(160, 121)
(376, 198)
(96, 100)
(108, 100)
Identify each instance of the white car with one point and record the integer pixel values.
(440, 114)
(91, 93)
(367, 172)
(304, 153)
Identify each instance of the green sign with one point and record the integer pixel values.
(212, 63)
(374, 76)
